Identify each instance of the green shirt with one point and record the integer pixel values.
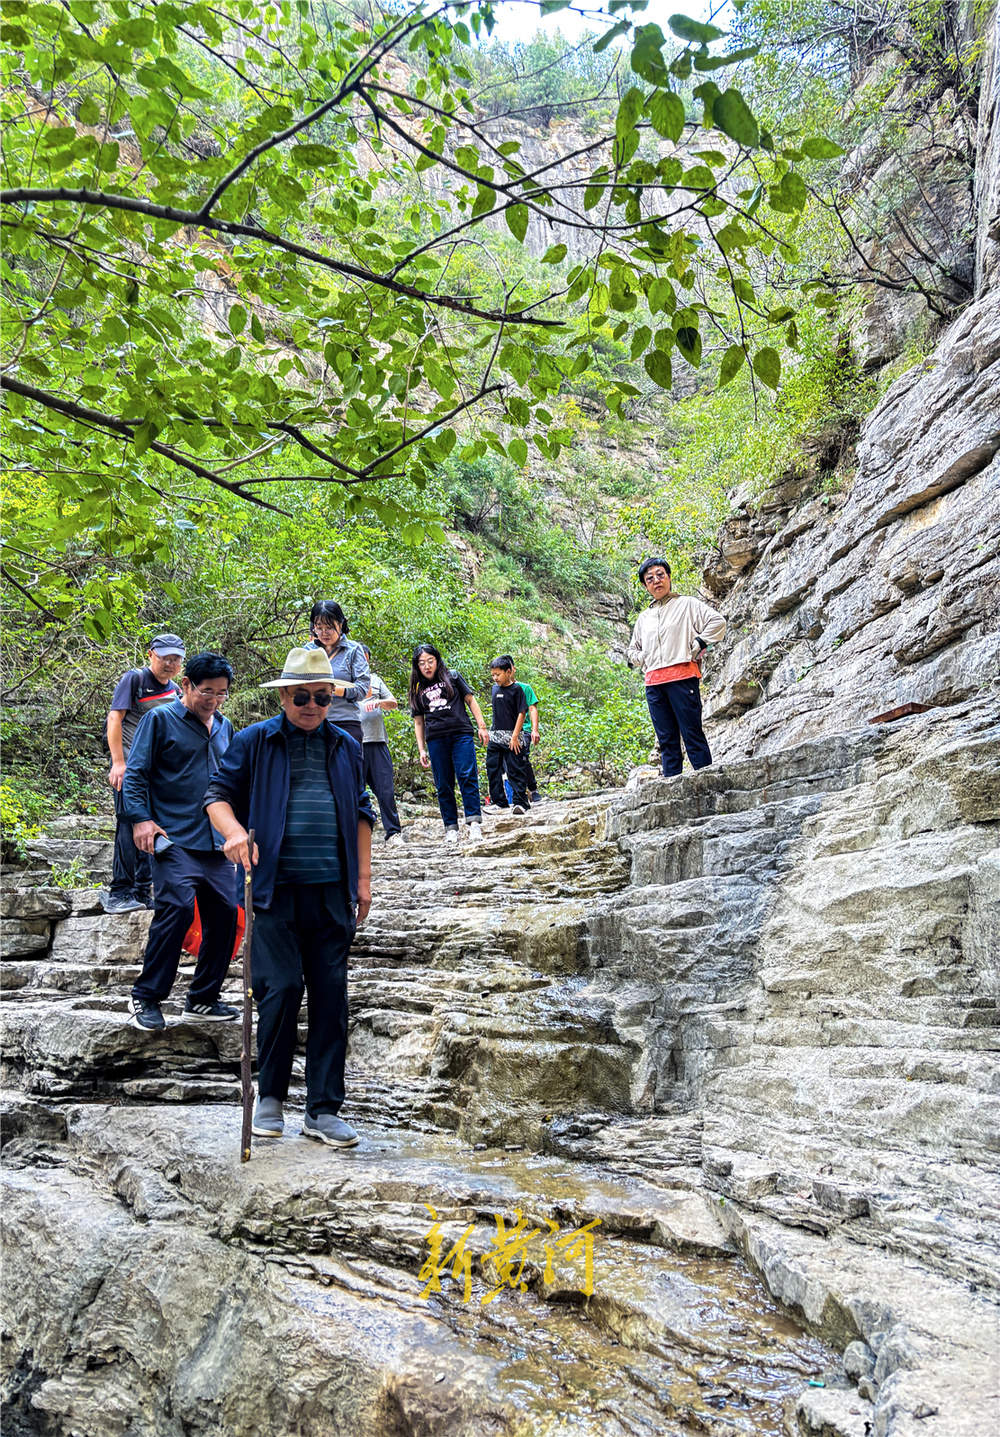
(530, 698)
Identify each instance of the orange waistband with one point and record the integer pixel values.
(671, 673)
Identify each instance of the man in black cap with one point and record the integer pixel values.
(137, 693)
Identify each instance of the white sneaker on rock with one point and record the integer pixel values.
(395, 840)
(475, 832)
(451, 836)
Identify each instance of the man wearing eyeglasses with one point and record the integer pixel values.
(297, 781)
(174, 753)
(668, 642)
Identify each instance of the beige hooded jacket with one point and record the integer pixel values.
(668, 632)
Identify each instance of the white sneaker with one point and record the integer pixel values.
(395, 841)
(451, 836)
(475, 832)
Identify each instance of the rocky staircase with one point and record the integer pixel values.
(752, 1008)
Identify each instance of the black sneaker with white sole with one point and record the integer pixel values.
(211, 1012)
(147, 1015)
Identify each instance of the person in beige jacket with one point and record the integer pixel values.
(667, 643)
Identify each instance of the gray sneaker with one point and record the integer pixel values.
(328, 1128)
(210, 1012)
(121, 903)
(268, 1121)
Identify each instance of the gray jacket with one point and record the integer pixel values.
(349, 666)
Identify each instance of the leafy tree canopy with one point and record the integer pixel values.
(243, 251)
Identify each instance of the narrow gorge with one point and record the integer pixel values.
(745, 1019)
(733, 1036)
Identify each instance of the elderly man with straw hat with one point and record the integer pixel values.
(296, 780)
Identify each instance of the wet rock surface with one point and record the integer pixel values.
(746, 1019)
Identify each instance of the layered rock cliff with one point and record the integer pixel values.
(848, 600)
(746, 1018)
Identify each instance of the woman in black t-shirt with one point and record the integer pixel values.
(438, 702)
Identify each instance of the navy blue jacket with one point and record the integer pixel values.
(254, 780)
(171, 760)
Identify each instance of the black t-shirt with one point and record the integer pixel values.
(136, 693)
(507, 704)
(443, 715)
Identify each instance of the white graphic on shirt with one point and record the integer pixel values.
(436, 699)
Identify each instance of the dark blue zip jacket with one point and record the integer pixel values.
(171, 759)
(253, 779)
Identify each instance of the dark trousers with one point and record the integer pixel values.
(351, 726)
(675, 709)
(497, 759)
(300, 943)
(180, 875)
(380, 778)
(130, 874)
(453, 756)
(530, 781)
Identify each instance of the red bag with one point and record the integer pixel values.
(192, 938)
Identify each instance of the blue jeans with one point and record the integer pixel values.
(675, 709)
(452, 756)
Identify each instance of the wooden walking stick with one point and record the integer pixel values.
(245, 1079)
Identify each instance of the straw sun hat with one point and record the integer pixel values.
(303, 666)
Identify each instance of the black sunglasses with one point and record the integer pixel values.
(320, 700)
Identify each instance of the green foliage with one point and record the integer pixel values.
(509, 512)
(543, 78)
(337, 323)
(21, 810)
(596, 716)
(743, 440)
(228, 278)
(74, 875)
(899, 85)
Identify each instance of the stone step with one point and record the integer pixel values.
(88, 1048)
(823, 766)
(674, 1334)
(35, 902)
(91, 855)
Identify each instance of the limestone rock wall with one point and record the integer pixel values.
(842, 607)
(988, 166)
(810, 948)
(844, 604)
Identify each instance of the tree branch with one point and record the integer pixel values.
(29, 596)
(102, 200)
(122, 427)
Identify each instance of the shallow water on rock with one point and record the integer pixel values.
(667, 1341)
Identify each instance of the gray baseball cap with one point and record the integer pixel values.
(165, 644)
